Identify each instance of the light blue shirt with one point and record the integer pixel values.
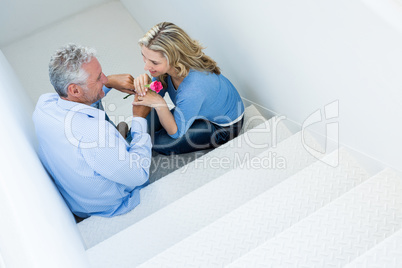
(203, 95)
(94, 168)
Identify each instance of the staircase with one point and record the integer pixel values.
(260, 200)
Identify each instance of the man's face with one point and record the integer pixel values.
(96, 79)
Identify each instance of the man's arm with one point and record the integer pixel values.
(127, 164)
(118, 161)
(121, 82)
(140, 110)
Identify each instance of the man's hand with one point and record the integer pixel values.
(121, 82)
(140, 110)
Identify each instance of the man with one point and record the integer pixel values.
(96, 170)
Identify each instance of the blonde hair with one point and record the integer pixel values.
(181, 52)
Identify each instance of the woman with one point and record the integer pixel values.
(208, 109)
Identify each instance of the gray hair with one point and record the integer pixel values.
(65, 67)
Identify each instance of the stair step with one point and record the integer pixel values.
(188, 178)
(339, 232)
(252, 118)
(267, 215)
(387, 254)
(192, 212)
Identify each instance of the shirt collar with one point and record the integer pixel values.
(80, 108)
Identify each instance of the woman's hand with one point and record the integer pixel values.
(153, 99)
(150, 99)
(139, 84)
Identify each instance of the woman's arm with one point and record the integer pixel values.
(166, 118)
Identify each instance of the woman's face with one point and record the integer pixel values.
(155, 62)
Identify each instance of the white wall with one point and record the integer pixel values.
(294, 57)
(36, 227)
(21, 18)
(109, 28)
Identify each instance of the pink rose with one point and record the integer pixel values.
(156, 86)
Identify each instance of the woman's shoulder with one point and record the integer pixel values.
(198, 85)
(196, 74)
(195, 77)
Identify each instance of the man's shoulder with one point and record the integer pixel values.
(49, 96)
(46, 98)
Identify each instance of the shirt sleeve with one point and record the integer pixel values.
(114, 159)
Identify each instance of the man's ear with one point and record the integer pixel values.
(74, 90)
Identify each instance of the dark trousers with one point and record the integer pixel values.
(202, 135)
